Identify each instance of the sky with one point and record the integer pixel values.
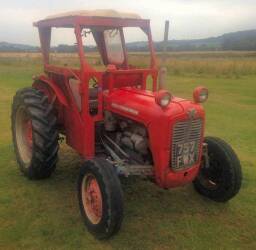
(189, 19)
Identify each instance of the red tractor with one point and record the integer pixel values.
(116, 125)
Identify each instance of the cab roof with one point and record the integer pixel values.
(99, 17)
(96, 13)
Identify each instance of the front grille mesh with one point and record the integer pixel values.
(185, 132)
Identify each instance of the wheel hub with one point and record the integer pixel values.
(92, 199)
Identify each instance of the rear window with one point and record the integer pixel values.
(114, 48)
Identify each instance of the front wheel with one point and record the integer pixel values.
(220, 180)
(100, 198)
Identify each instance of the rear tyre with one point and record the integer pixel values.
(221, 181)
(100, 198)
(34, 133)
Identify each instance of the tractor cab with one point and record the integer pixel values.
(107, 28)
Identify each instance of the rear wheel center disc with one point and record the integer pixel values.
(24, 135)
(28, 132)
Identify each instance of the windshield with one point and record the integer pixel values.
(114, 48)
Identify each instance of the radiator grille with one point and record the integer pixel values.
(185, 133)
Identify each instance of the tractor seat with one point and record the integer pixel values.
(93, 93)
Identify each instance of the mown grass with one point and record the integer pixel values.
(44, 214)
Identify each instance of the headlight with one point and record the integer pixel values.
(163, 98)
(200, 94)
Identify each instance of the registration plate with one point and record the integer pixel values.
(187, 154)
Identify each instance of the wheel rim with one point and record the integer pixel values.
(92, 198)
(24, 135)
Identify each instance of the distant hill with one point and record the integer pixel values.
(241, 40)
(12, 47)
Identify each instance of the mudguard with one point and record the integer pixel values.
(57, 91)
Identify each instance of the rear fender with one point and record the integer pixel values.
(50, 88)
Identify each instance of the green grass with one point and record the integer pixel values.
(45, 215)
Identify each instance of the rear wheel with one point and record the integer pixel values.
(100, 198)
(221, 179)
(34, 133)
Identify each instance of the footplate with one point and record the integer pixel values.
(137, 170)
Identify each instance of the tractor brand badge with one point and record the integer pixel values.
(125, 108)
(191, 113)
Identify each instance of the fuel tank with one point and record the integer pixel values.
(139, 105)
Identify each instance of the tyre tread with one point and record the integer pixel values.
(234, 167)
(45, 134)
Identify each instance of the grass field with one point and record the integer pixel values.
(44, 214)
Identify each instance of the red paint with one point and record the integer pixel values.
(122, 90)
(197, 91)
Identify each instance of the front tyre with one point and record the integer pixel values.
(100, 198)
(221, 179)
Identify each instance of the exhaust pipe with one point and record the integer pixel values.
(163, 70)
(162, 78)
